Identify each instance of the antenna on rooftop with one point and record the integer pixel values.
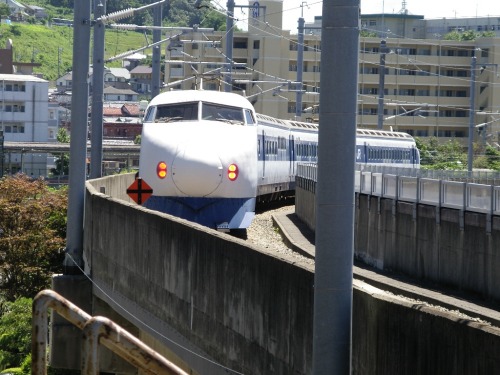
(403, 9)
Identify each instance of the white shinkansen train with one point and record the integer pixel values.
(209, 157)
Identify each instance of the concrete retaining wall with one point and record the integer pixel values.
(252, 312)
(447, 246)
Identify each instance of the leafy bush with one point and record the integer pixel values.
(15, 333)
(32, 235)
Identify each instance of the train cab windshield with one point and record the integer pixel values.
(189, 112)
(233, 115)
(172, 112)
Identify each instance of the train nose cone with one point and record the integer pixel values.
(196, 170)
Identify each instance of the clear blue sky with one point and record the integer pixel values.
(293, 9)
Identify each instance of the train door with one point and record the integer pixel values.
(263, 153)
(362, 153)
(291, 154)
(415, 156)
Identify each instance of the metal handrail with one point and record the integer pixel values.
(102, 330)
(41, 303)
(95, 330)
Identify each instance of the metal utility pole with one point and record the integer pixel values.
(381, 85)
(300, 68)
(73, 260)
(229, 46)
(156, 75)
(335, 189)
(472, 112)
(97, 92)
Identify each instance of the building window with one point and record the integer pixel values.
(240, 44)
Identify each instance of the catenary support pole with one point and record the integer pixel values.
(300, 68)
(96, 131)
(78, 142)
(472, 113)
(156, 66)
(335, 189)
(381, 85)
(228, 87)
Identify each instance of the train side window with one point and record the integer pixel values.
(150, 114)
(249, 117)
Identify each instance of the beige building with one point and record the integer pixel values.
(427, 82)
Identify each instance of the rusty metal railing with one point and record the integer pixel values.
(96, 330)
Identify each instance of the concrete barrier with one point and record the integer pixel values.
(447, 246)
(251, 311)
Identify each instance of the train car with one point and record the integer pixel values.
(209, 157)
(378, 147)
(199, 155)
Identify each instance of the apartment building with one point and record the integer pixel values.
(24, 117)
(427, 88)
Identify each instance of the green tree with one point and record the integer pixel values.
(368, 34)
(434, 155)
(212, 19)
(62, 159)
(4, 11)
(32, 235)
(468, 35)
(490, 159)
(15, 332)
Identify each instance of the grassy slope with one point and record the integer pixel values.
(42, 43)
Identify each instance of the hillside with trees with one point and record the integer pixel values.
(52, 46)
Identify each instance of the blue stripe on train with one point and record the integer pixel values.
(216, 213)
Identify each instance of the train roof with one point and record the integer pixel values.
(367, 133)
(268, 120)
(217, 97)
(382, 134)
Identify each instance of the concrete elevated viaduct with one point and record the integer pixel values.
(215, 305)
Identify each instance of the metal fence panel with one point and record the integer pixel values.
(390, 186)
(430, 191)
(366, 182)
(357, 181)
(479, 198)
(408, 189)
(453, 194)
(496, 200)
(377, 184)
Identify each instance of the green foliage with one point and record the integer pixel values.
(449, 155)
(13, 371)
(4, 10)
(15, 333)
(490, 159)
(52, 47)
(62, 159)
(468, 35)
(32, 227)
(368, 34)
